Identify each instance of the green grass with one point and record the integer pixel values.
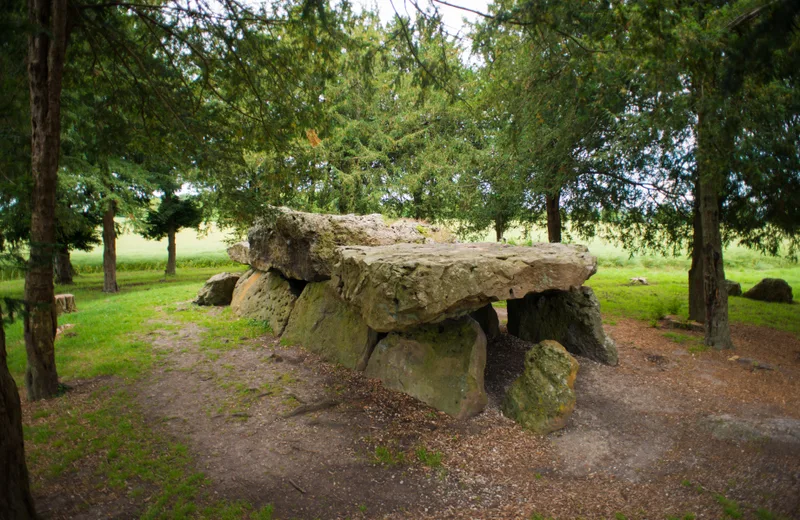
(127, 457)
(110, 333)
(432, 459)
(670, 285)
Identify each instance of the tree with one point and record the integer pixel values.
(173, 214)
(15, 495)
(47, 46)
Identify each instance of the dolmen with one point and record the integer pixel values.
(406, 304)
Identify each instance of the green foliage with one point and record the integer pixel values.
(173, 213)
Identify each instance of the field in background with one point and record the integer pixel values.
(203, 254)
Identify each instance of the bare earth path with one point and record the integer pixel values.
(644, 438)
(671, 431)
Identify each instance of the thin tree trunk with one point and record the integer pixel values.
(109, 250)
(697, 301)
(170, 251)
(711, 170)
(552, 206)
(63, 265)
(15, 495)
(46, 55)
(499, 228)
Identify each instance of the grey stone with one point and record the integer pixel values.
(303, 245)
(771, 290)
(441, 365)
(400, 286)
(570, 317)
(734, 288)
(266, 297)
(240, 252)
(323, 323)
(543, 397)
(487, 318)
(218, 290)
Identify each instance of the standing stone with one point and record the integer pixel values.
(266, 297)
(487, 318)
(771, 290)
(404, 285)
(240, 253)
(65, 303)
(570, 317)
(543, 397)
(323, 323)
(302, 245)
(734, 288)
(218, 290)
(440, 364)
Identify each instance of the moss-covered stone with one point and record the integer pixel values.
(570, 317)
(267, 297)
(543, 397)
(323, 323)
(439, 364)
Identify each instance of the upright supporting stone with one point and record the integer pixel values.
(323, 323)
(543, 397)
(440, 364)
(570, 317)
(267, 297)
(65, 303)
(487, 318)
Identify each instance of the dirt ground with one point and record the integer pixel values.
(660, 435)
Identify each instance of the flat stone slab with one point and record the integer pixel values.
(302, 245)
(399, 286)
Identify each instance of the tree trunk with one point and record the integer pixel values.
(499, 228)
(711, 165)
(552, 205)
(170, 251)
(697, 301)
(46, 55)
(15, 495)
(110, 249)
(63, 265)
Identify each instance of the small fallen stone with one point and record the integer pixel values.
(639, 280)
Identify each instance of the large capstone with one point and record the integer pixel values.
(570, 317)
(240, 253)
(218, 290)
(323, 323)
(771, 290)
(441, 365)
(400, 286)
(303, 245)
(266, 297)
(543, 397)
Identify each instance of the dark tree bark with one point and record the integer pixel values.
(63, 265)
(499, 228)
(171, 251)
(110, 249)
(15, 495)
(46, 55)
(697, 300)
(711, 172)
(552, 205)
